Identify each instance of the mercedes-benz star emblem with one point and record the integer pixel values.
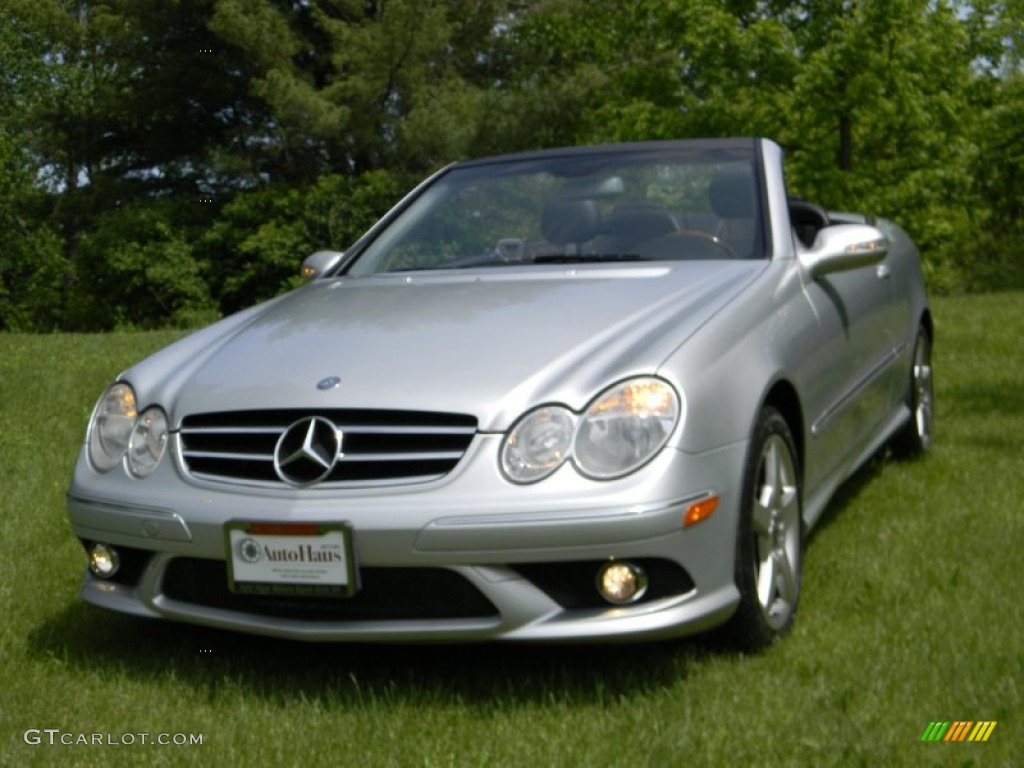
(307, 451)
(329, 383)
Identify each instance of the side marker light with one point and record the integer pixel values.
(699, 510)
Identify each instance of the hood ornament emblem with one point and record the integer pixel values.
(329, 383)
(307, 451)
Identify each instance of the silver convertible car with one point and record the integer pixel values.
(580, 394)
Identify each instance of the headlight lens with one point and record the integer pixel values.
(148, 441)
(625, 427)
(111, 428)
(538, 444)
(621, 430)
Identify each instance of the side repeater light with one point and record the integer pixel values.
(699, 510)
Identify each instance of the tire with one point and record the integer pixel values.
(916, 436)
(769, 542)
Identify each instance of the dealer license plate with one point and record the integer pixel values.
(302, 559)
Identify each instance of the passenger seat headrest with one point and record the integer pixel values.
(570, 221)
(732, 192)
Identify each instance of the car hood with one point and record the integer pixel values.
(488, 343)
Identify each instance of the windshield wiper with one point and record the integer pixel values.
(492, 260)
(464, 262)
(588, 258)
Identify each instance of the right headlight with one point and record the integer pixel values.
(621, 430)
(112, 426)
(112, 423)
(147, 442)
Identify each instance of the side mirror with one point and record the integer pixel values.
(842, 247)
(316, 264)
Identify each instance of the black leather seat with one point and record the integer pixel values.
(565, 222)
(807, 219)
(633, 223)
(733, 199)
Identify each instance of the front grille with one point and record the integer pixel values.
(378, 447)
(385, 594)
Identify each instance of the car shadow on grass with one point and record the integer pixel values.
(90, 638)
(847, 495)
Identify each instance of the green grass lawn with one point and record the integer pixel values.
(912, 611)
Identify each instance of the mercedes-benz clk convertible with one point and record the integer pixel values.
(596, 393)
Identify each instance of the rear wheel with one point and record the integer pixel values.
(769, 544)
(916, 436)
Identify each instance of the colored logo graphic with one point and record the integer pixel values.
(959, 730)
(250, 550)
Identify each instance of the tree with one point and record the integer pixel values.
(179, 158)
(136, 104)
(141, 269)
(32, 271)
(866, 96)
(367, 84)
(256, 242)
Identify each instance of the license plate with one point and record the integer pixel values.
(302, 559)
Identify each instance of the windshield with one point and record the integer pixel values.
(642, 205)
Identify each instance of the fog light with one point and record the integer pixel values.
(621, 583)
(103, 561)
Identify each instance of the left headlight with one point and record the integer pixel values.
(621, 430)
(625, 427)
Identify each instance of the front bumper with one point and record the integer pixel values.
(496, 548)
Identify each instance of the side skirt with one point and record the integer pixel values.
(816, 503)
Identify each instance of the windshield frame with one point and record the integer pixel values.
(569, 162)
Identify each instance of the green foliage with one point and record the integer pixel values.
(33, 270)
(33, 275)
(868, 98)
(296, 122)
(997, 171)
(260, 237)
(882, 86)
(373, 85)
(136, 269)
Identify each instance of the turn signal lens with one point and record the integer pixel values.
(699, 510)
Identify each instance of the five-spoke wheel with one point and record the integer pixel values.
(916, 436)
(769, 541)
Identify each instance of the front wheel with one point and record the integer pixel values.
(916, 437)
(769, 543)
